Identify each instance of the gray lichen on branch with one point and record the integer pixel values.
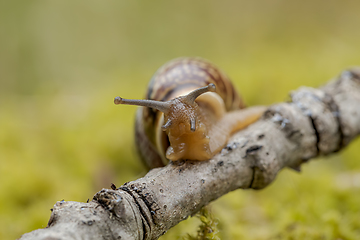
(316, 122)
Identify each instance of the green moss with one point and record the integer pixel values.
(208, 229)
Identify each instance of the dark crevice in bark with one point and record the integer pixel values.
(253, 177)
(336, 113)
(316, 134)
(308, 113)
(144, 216)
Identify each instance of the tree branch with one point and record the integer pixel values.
(316, 122)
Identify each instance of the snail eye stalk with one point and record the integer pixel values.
(190, 98)
(161, 106)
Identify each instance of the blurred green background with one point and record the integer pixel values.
(61, 136)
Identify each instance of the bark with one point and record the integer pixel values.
(316, 122)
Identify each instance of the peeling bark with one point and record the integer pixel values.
(316, 122)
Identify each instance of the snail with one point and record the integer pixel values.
(191, 110)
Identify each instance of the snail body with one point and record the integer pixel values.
(190, 112)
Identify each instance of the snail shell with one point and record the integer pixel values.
(192, 129)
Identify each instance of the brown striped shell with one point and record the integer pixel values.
(174, 79)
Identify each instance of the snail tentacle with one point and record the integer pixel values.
(192, 124)
(166, 125)
(190, 98)
(161, 106)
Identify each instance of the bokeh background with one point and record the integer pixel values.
(61, 136)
